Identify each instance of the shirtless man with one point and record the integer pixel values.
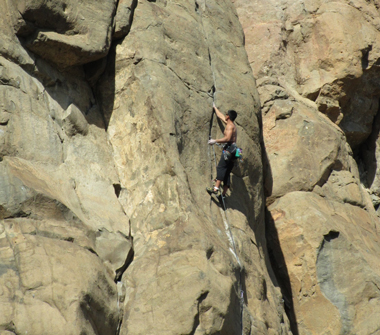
(225, 166)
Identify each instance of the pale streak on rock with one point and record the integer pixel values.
(157, 137)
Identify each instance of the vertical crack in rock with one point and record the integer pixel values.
(365, 55)
(119, 283)
(366, 158)
(128, 261)
(117, 188)
(211, 93)
(95, 70)
(213, 88)
(123, 30)
(277, 261)
(325, 274)
(120, 304)
(201, 298)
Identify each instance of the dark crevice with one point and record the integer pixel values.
(365, 55)
(120, 271)
(117, 188)
(52, 236)
(201, 298)
(265, 290)
(131, 254)
(209, 252)
(105, 69)
(95, 312)
(277, 261)
(211, 92)
(9, 82)
(10, 327)
(126, 32)
(365, 155)
(20, 214)
(331, 235)
(196, 7)
(325, 176)
(92, 251)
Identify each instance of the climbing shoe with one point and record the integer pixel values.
(212, 190)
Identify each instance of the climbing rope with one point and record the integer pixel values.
(231, 239)
(223, 211)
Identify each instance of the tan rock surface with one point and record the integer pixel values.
(50, 285)
(66, 32)
(311, 59)
(327, 51)
(160, 148)
(58, 208)
(105, 181)
(331, 253)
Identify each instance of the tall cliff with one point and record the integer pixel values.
(317, 65)
(106, 226)
(105, 113)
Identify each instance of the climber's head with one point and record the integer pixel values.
(231, 114)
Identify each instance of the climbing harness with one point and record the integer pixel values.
(230, 237)
(223, 211)
(232, 248)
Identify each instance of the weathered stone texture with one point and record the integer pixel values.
(327, 51)
(66, 32)
(158, 126)
(330, 250)
(314, 59)
(57, 199)
(106, 227)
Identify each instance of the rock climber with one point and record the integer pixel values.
(227, 159)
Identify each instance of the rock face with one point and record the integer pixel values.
(67, 32)
(105, 113)
(106, 227)
(317, 70)
(157, 98)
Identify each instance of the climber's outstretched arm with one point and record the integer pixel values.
(219, 114)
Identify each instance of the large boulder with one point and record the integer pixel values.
(327, 252)
(66, 33)
(316, 64)
(327, 51)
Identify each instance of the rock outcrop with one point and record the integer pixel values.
(105, 113)
(106, 227)
(317, 70)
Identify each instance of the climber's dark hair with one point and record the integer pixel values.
(232, 114)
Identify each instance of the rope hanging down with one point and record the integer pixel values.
(223, 211)
(230, 237)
